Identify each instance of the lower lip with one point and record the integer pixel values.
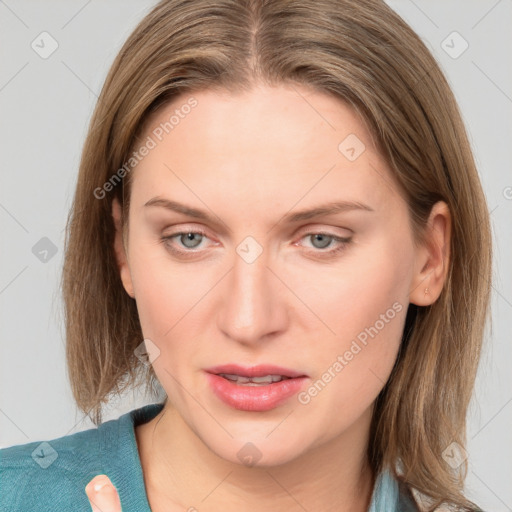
(254, 398)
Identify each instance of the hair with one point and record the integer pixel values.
(364, 54)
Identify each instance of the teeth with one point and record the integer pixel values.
(253, 381)
(236, 378)
(267, 379)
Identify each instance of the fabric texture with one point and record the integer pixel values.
(50, 476)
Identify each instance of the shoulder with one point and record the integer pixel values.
(49, 475)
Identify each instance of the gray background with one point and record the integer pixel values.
(45, 106)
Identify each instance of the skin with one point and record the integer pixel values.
(249, 160)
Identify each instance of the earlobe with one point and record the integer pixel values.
(432, 258)
(119, 249)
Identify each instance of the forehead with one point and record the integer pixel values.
(272, 145)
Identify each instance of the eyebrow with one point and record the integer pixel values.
(317, 211)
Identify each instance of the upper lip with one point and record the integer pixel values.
(259, 370)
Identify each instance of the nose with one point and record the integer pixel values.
(252, 307)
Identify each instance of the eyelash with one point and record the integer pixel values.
(329, 253)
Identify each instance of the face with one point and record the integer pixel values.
(232, 276)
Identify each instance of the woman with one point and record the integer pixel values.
(278, 217)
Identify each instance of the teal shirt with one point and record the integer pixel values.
(52, 475)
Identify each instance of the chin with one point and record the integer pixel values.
(260, 451)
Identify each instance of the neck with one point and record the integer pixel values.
(181, 473)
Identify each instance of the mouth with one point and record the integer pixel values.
(257, 388)
(260, 375)
(264, 380)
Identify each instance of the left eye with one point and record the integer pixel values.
(324, 240)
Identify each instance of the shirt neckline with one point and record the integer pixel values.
(124, 468)
(125, 472)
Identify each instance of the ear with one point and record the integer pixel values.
(121, 257)
(432, 258)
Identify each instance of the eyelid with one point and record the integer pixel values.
(325, 229)
(183, 229)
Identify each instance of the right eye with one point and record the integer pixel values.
(186, 240)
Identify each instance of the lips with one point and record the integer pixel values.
(255, 388)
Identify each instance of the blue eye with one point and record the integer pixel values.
(325, 240)
(185, 238)
(188, 239)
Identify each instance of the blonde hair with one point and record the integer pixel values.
(363, 53)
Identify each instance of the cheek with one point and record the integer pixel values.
(352, 293)
(165, 292)
(364, 303)
(169, 308)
